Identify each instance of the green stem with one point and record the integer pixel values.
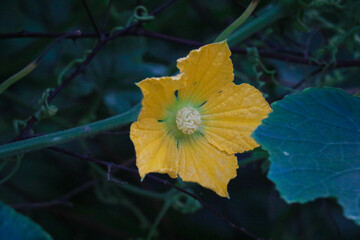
(131, 188)
(238, 22)
(145, 193)
(158, 219)
(17, 76)
(266, 17)
(64, 136)
(13, 171)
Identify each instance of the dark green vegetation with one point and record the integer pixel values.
(284, 47)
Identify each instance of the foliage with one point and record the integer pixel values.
(58, 78)
(313, 142)
(15, 226)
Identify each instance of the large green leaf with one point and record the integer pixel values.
(313, 139)
(15, 226)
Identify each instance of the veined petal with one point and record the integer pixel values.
(159, 95)
(230, 116)
(155, 150)
(205, 70)
(203, 163)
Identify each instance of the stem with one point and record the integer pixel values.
(69, 134)
(17, 76)
(91, 19)
(25, 71)
(162, 213)
(81, 68)
(143, 192)
(13, 171)
(244, 233)
(133, 189)
(266, 17)
(238, 22)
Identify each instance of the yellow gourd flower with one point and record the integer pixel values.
(192, 124)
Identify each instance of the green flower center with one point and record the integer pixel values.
(188, 120)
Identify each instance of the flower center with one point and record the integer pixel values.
(188, 120)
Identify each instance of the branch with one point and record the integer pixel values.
(110, 165)
(106, 15)
(91, 18)
(290, 58)
(63, 200)
(266, 54)
(30, 67)
(101, 43)
(162, 7)
(28, 34)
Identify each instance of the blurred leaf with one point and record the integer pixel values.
(15, 226)
(313, 140)
(121, 101)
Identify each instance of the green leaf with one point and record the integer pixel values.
(313, 139)
(15, 226)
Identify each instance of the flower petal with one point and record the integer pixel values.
(201, 162)
(155, 150)
(230, 116)
(206, 70)
(159, 95)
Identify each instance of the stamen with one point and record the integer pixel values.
(188, 120)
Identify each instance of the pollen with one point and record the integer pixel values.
(188, 120)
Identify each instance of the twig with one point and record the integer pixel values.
(162, 7)
(78, 219)
(31, 66)
(106, 15)
(101, 43)
(298, 84)
(266, 54)
(109, 178)
(93, 23)
(241, 230)
(63, 200)
(57, 90)
(29, 34)
(107, 231)
(290, 58)
(301, 82)
(64, 36)
(308, 42)
(158, 219)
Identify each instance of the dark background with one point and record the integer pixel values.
(320, 30)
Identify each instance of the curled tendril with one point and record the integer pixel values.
(46, 110)
(140, 13)
(70, 65)
(144, 14)
(185, 204)
(258, 66)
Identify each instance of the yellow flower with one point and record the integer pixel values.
(192, 124)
